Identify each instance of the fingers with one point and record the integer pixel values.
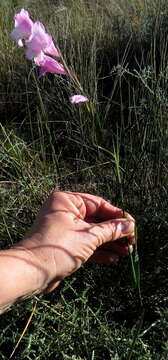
(112, 230)
(94, 209)
(128, 216)
(103, 257)
(99, 209)
(88, 206)
(120, 242)
(106, 256)
(132, 239)
(117, 247)
(109, 254)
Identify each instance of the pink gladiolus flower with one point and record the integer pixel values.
(23, 27)
(76, 99)
(48, 64)
(40, 41)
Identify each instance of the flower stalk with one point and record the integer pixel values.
(33, 38)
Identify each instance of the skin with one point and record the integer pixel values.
(70, 229)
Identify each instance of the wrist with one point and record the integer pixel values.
(33, 267)
(21, 275)
(42, 255)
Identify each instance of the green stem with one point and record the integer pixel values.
(135, 270)
(130, 353)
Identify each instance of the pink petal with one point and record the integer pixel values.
(48, 64)
(76, 99)
(52, 50)
(40, 41)
(23, 27)
(39, 60)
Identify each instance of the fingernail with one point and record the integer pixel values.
(129, 217)
(127, 227)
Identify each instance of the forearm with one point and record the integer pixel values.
(21, 275)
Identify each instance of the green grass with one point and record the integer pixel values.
(118, 50)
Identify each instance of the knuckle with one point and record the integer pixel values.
(56, 194)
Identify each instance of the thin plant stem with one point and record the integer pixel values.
(134, 259)
(116, 160)
(24, 330)
(136, 335)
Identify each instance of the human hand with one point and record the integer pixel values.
(73, 228)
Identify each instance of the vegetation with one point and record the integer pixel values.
(119, 51)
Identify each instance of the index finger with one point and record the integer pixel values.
(98, 209)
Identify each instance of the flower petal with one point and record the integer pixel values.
(23, 27)
(52, 50)
(48, 64)
(40, 41)
(76, 99)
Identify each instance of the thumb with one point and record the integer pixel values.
(112, 230)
